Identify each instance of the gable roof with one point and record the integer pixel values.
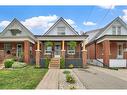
(102, 30)
(15, 20)
(61, 19)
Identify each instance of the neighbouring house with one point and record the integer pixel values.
(108, 46)
(60, 41)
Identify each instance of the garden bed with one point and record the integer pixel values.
(64, 84)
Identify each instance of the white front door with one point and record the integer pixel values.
(57, 51)
(120, 50)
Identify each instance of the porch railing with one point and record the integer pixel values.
(73, 55)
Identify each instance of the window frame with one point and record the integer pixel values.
(71, 51)
(61, 32)
(6, 47)
(49, 51)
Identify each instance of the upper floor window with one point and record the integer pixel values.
(61, 30)
(116, 30)
(119, 30)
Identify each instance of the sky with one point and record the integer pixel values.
(38, 19)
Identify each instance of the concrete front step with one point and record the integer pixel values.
(54, 63)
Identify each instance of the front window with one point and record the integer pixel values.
(71, 51)
(48, 50)
(61, 30)
(7, 48)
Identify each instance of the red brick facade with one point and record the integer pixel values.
(26, 51)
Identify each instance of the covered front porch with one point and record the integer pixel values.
(112, 51)
(22, 50)
(59, 48)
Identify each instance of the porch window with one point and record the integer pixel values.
(48, 50)
(71, 51)
(61, 30)
(114, 30)
(7, 48)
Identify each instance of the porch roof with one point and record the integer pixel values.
(62, 37)
(112, 37)
(16, 39)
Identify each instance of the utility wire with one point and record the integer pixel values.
(90, 14)
(105, 15)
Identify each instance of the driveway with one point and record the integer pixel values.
(100, 78)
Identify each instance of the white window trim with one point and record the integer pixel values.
(116, 30)
(68, 51)
(45, 51)
(59, 32)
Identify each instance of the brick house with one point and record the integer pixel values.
(108, 46)
(17, 40)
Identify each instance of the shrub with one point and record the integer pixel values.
(72, 87)
(47, 62)
(18, 65)
(70, 78)
(62, 63)
(8, 63)
(71, 66)
(66, 72)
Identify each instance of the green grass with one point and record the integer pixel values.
(24, 78)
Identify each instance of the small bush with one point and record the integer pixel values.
(72, 87)
(70, 78)
(18, 65)
(71, 66)
(47, 62)
(8, 63)
(62, 63)
(66, 72)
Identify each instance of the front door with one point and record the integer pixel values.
(119, 50)
(19, 50)
(57, 50)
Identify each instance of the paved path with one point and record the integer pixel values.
(96, 79)
(50, 80)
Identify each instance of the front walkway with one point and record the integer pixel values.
(50, 80)
(55, 79)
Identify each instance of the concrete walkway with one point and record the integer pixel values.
(50, 80)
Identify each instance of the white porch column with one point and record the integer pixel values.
(38, 54)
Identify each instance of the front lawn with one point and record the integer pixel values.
(24, 78)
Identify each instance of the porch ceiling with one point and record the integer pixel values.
(62, 37)
(112, 38)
